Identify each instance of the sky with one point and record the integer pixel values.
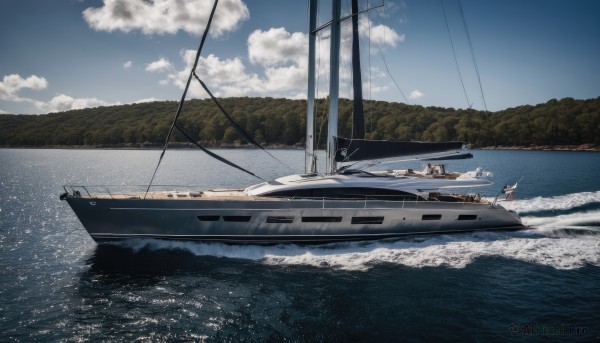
(69, 54)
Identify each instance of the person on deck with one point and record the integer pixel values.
(428, 170)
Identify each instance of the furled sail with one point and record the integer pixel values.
(351, 150)
(358, 122)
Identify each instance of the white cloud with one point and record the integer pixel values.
(166, 16)
(277, 46)
(127, 64)
(11, 84)
(64, 102)
(379, 34)
(228, 77)
(160, 65)
(291, 78)
(284, 77)
(416, 94)
(280, 60)
(140, 101)
(282, 57)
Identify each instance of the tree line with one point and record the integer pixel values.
(283, 122)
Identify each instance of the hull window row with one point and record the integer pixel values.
(439, 216)
(355, 220)
(431, 217)
(236, 219)
(289, 220)
(208, 218)
(321, 219)
(367, 220)
(283, 220)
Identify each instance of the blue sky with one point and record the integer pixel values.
(68, 54)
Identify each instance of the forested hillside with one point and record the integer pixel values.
(282, 122)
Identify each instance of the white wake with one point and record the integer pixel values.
(560, 202)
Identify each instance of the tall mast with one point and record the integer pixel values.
(310, 158)
(358, 121)
(334, 76)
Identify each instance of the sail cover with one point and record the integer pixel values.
(350, 150)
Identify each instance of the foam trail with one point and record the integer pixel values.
(558, 253)
(455, 251)
(561, 202)
(248, 252)
(574, 219)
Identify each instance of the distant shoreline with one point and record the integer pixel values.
(582, 147)
(184, 146)
(173, 146)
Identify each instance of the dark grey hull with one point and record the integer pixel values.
(282, 221)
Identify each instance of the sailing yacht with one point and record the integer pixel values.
(344, 203)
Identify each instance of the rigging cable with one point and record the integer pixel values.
(187, 85)
(238, 128)
(390, 74)
(454, 54)
(384, 63)
(462, 15)
(212, 154)
(174, 125)
(235, 124)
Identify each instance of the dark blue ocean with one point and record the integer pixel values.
(56, 284)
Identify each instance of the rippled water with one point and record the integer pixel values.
(56, 284)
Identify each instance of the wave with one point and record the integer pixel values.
(454, 251)
(591, 218)
(560, 202)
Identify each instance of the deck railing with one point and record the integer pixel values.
(112, 191)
